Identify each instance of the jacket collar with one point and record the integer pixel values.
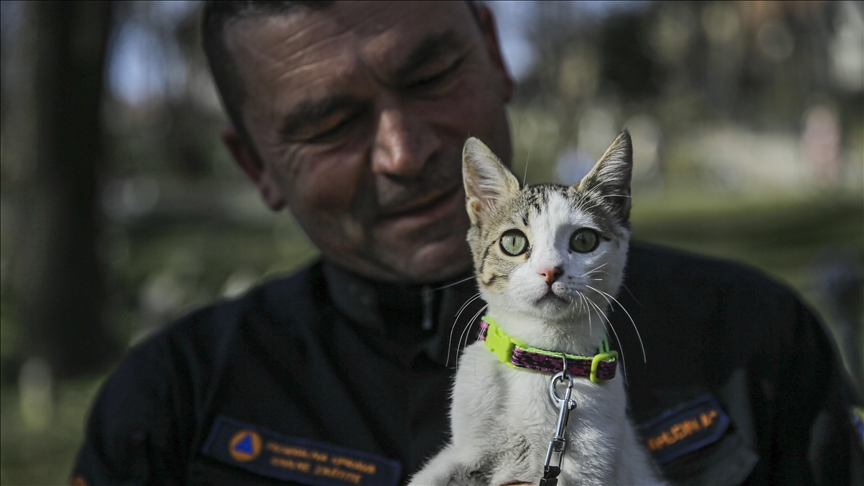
(422, 316)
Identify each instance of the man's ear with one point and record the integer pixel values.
(260, 174)
(493, 49)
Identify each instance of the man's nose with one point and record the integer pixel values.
(403, 143)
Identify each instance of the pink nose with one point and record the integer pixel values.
(550, 274)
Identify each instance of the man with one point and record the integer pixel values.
(353, 116)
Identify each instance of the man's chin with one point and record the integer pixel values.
(429, 262)
(436, 263)
(432, 263)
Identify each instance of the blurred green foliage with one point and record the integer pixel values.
(43, 457)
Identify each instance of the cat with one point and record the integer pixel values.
(548, 260)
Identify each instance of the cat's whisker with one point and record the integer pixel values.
(465, 333)
(453, 327)
(583, 307)
(596, 272)
(454, 283)
(609, 296)
(631, 295)
(458, 345)
(465, 305)
(574, 311)
(603, 315)
(600, 272)
(589, 272)
(590, 325)
(604, 295)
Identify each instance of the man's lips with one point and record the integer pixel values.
(426, 210)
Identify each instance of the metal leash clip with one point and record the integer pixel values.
(559, 441)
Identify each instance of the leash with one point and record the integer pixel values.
(555, 451)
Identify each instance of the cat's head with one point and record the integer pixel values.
(548, 251)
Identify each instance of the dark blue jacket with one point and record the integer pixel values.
(327, 378)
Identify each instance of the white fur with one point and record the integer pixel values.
(502, 418)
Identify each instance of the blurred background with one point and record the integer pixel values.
(120, 210)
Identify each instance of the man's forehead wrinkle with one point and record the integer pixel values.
(250, 34)
(325, 43)
(290, 28)
(317, 44)
(332, 73)
(339, 29)
(342, 67)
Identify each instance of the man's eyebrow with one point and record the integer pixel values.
(429, 49)
(313, 111)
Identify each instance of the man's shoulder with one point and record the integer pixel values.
(158, 389)
(685, 270)
(209, 331)
(707, 296)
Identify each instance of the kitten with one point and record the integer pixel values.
(548, 259)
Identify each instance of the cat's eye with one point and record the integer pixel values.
(514, 242)
(584, 240)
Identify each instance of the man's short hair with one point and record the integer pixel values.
(216, 15)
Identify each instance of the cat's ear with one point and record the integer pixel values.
(609, 180)
(487, 181)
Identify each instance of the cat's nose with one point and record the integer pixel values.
(550, 274)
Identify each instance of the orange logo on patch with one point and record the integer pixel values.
(79, 481)
(682, 430)
(245, 445)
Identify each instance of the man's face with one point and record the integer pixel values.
(359, 112)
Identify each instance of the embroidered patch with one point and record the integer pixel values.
(306, 461)
(79, 481)
(858, 422)
(684, 428)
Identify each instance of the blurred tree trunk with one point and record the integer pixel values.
(61, 285)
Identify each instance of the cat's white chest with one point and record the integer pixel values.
(499, 408)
